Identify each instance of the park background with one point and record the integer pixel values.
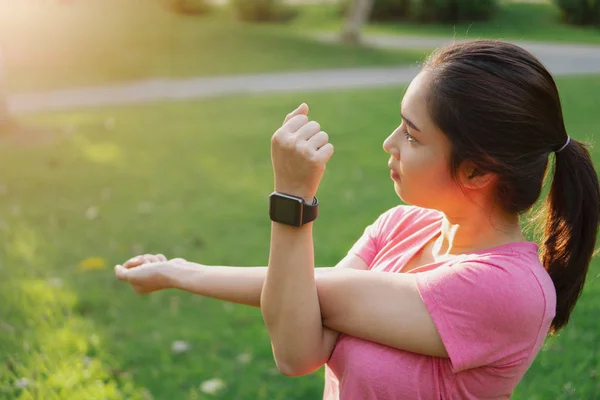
(85, 186)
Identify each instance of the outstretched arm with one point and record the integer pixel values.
(242, 285)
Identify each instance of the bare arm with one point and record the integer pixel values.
(242, 285)
(290, 303)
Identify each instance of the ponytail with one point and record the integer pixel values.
(572, 213)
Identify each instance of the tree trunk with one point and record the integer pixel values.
(360, 11)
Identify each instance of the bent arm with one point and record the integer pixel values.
(290, 303)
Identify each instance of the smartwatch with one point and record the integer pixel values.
(292, 210)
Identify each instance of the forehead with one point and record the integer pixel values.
(416, 94)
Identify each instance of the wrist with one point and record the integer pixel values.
(177, 275)
(307, 195)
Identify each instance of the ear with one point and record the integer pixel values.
(473, 177)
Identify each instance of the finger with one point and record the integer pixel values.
(121, 272)
(178, 260)
(295, 123)
(134, 262)
(318, 140)
(161, 257)
(302, 109)
(325, 152)
(151, 258)
(307, 131)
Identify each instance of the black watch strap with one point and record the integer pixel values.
(310, 212)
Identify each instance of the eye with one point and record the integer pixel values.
(408, 136)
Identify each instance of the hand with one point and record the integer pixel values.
(147, 273)
(299, 152)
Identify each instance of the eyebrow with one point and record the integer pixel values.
(413, 126)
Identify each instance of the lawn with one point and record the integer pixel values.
(55, 44)
(191, 179)
(515, 20)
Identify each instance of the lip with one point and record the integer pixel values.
(394, 175)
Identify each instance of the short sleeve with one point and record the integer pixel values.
(373, 237)
(486, 314)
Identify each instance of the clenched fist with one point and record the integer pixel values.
(299, 152)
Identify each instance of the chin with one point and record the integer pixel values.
(401, 195)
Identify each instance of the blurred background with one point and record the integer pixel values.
(143, 126)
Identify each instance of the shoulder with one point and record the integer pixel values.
(406, 211)
(513, 269)
(399, 217)
(510, 284)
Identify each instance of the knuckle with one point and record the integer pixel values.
(314, 158)
(304, 149)
(276, 138)
(281, 138)
(289, 142)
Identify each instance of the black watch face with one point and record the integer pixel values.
(286, 210)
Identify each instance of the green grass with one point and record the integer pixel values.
(191, 179)
(513, 20)
(49, 45)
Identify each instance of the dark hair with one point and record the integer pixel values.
(501, 110)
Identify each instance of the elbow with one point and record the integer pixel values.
(297, 363)
(287, 370)
(296, 369)
(294, 359)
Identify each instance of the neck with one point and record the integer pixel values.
(471, 232)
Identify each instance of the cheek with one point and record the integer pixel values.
(426, 168)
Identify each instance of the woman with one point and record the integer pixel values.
(443, 299)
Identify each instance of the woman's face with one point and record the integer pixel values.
(420, 154)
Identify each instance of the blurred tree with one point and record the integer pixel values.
(264, 10)
(188, 7)
(360, 10)
(580, 12)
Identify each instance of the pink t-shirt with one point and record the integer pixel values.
(492, 308)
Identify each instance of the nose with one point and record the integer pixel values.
(390, 146)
